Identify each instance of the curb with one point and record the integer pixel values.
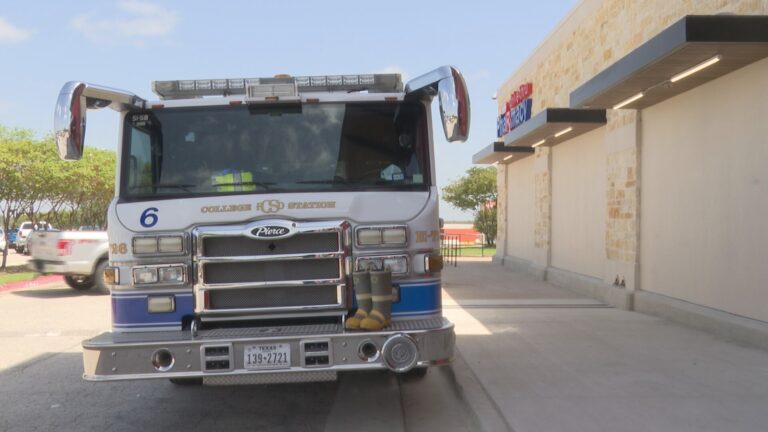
(487, 413)
(41, 280)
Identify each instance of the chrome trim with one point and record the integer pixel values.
(261, 258)
(200, 288)
(436, 344)
(339, 305)
(276, 284)
(75, 98)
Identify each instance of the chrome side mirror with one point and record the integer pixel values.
(69, 118)
(69, 121)
(454, 107)
(448, 83)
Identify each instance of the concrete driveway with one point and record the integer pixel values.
(550, 360)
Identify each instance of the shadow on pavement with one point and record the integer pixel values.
(48, 393)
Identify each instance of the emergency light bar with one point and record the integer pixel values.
(265, 87)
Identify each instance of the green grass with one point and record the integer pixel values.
(476, 251)
(16, 274)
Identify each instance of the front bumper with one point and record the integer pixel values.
(128, 356)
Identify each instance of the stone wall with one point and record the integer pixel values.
(599, 32)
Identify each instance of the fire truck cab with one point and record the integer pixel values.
(242, 209)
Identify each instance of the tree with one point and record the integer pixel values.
(36, 185)
(485, 222)
(476, 192)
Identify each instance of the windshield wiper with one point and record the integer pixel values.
(184, 187)
(337, 180)
(265, 185)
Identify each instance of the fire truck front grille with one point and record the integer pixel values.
(271, 271)
(243, 246)
(274, 297)
(240, 276)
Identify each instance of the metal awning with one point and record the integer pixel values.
(553, 126)
(689, 53)
(498, 152)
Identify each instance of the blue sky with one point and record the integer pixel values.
(126, 44)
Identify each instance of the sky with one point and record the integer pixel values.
(126, 44)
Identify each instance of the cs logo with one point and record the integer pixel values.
(270, 206)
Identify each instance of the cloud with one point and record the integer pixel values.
(10, 34)
(136, 22)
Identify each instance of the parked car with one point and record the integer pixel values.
(81, 256)
(3, 241)
(24, 230)
(11, 238)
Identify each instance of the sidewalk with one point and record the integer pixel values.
(546, 359)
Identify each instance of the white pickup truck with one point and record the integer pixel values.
(81, 256)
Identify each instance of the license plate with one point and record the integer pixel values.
(267, 356)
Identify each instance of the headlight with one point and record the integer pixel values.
(393, 236)
(397, 264)
(144, 245)
(166, 244)
(173, 274)
(387, 236)
(144, 275)
(368, 237)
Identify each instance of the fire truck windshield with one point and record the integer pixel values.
(173, 152)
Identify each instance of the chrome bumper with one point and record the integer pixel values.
(128, 356)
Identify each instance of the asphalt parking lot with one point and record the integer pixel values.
(531, 357)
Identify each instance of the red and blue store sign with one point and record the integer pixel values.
(517, 110)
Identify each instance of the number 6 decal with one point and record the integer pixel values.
(148, 217)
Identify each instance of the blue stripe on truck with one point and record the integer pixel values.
(130, 311)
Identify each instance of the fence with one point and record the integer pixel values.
(450, 247)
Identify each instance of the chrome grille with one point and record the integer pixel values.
(276, 297)
(298, 244)
(270, 271)
(302, 274)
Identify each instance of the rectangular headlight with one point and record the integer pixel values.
(364, 264)
(369, 236)
(144, 245)
(394, 236)
(145, 275)
(173, 274)
(398, 265)
(166, 244)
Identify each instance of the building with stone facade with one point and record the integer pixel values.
(637, 173)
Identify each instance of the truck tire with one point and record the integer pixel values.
(78, 282)
(98, 276)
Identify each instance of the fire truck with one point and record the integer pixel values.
(258, 224)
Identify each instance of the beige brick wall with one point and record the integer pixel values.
(542, 196)
(599, 32)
